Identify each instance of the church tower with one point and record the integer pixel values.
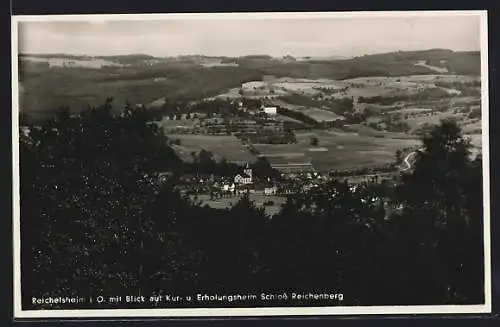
(248, 171)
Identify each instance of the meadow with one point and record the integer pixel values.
(423, 63)
(169, 124)
(399, 85)
(434, 119)
(472, 127)
(364, 130)
(63, 62)
(343, 150)
(410, 111)
(226, 146)
(320, 115)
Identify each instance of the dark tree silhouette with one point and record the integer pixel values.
(84, 183)
(438, 211)
(96, 220)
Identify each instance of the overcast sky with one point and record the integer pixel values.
(343, 36)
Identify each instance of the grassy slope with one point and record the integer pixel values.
(344, 150)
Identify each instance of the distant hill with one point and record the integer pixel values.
(325, 58)
(385, 64)
(460, 63)
(334, 66)
(128, 57)
(142, 78)
(257, 57)
(53, 55)
(72, 56)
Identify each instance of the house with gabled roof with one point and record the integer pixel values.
(245, 177)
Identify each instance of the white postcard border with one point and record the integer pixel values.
(264, 311)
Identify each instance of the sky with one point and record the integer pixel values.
(237, 36)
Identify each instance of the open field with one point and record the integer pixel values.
(416, 122)
(288, 119)
(320, 115)
(348, 150)
(368, 86)
(400, 85)
(92, 63)
(465, 100)
(410, 111)
(407, 80)
(283, 160)
(217, 64)
(253, 85)
(472, 127)
(307, 86)
(423, 63)
(230, 94)
(476, 141)
(363, 91)
(343, 150)
(180, 123)
(258, 198)
(356, 87)
(363, 130)
(317, 114)
(222, 146)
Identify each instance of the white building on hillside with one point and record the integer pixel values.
(245, 177)
(270, 190)
(228, 188)
(270, 110)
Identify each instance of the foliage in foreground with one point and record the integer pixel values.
(94, 221)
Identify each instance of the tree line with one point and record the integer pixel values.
(424, 95)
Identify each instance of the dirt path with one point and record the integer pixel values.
(407, 160)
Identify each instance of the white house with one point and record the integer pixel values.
(228, 188)
(270, 110)
(270, 190)
(245, 177)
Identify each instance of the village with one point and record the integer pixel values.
(270, 193)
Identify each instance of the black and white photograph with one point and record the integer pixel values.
(251, 164)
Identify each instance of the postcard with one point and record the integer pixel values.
(251, 164)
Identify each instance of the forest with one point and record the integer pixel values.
(95, 220)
